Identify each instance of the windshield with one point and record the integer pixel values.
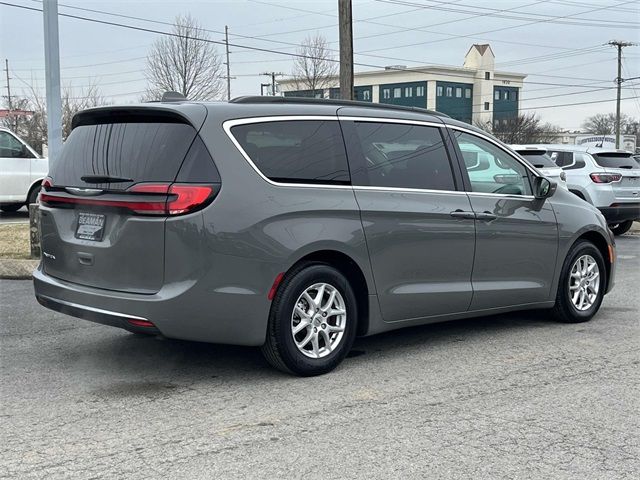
(615, 160)
(538, 159)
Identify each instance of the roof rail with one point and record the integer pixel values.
(331, 101)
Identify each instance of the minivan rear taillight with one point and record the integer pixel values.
(605, 177)
(160, 199)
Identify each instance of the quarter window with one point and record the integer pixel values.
(402, 156)
(296, 151)
(491, 169)
(562, 159)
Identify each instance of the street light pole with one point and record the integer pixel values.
(52, 78)
(346, 49)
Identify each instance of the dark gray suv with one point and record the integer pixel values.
(297, 225)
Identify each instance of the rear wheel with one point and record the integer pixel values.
(312, 323)
(14, 207)
(621, 228)
(582, 284)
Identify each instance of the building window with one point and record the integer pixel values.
(408, 91)
(366, 95)
(397, 92)
(504, 122)
(439, 91)
(386, 93)
(496, 95)
(505, 95)
(496, 124)
(486, 105)
(449, 91)
(514, 95)
(467, 93)
(487, 75)
(420, 91)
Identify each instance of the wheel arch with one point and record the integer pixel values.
(34, 185)
(350, 269)
(602, 245)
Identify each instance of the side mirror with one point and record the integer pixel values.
(543, 187)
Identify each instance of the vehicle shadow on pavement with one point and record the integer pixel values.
(156, 359)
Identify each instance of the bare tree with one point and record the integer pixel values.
(33, 128)
(315, 68)
(186, 62)
(525, 128)
(604, 123)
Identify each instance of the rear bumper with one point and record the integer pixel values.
(621, 212)
(184, 310)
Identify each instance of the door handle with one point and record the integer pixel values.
(463, 214)
(486, 216)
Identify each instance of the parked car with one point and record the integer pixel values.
(21, 172)
(298, 224)
(539, 158)
(607, 179)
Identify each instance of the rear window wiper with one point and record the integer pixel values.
(104, 179)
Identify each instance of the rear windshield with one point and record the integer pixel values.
(297, 151)
(131, 152)
(538, 159)
(615, 160)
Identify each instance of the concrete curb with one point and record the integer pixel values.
(17, 269)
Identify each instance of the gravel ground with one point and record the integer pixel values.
(509, 396)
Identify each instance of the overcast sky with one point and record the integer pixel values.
(559, 44)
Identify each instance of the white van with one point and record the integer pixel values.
(21, 172)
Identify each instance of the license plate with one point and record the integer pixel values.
(90, 226)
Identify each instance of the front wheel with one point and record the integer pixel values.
(621, 228)
(582, 284)
(312, 323)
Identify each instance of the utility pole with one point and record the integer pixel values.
(619, 45)
(52, 71)
(346, 49)
(226, 42)
(273, 76)
(6, 69)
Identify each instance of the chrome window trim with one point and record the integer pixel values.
(408, 190)
(229, 124)
(424, 123)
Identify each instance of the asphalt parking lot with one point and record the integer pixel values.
(510, 396)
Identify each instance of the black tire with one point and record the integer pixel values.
(621, 228)
(14, 207)
(33, 195)
(280, 349)
(564, 310)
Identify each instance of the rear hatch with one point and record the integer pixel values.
(107, 198)
(621, 164)
(544, 164)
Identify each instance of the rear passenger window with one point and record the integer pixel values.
(403, 156)
(296, 151)
(562, 159)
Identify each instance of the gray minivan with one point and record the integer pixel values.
(298, 224)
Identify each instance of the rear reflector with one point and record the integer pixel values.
(274, 287)
(136, 322)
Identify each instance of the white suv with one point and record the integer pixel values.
(539, 158)
(21, 172)
(608, 179)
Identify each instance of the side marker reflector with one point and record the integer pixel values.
(276, 284)
(140, 323)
